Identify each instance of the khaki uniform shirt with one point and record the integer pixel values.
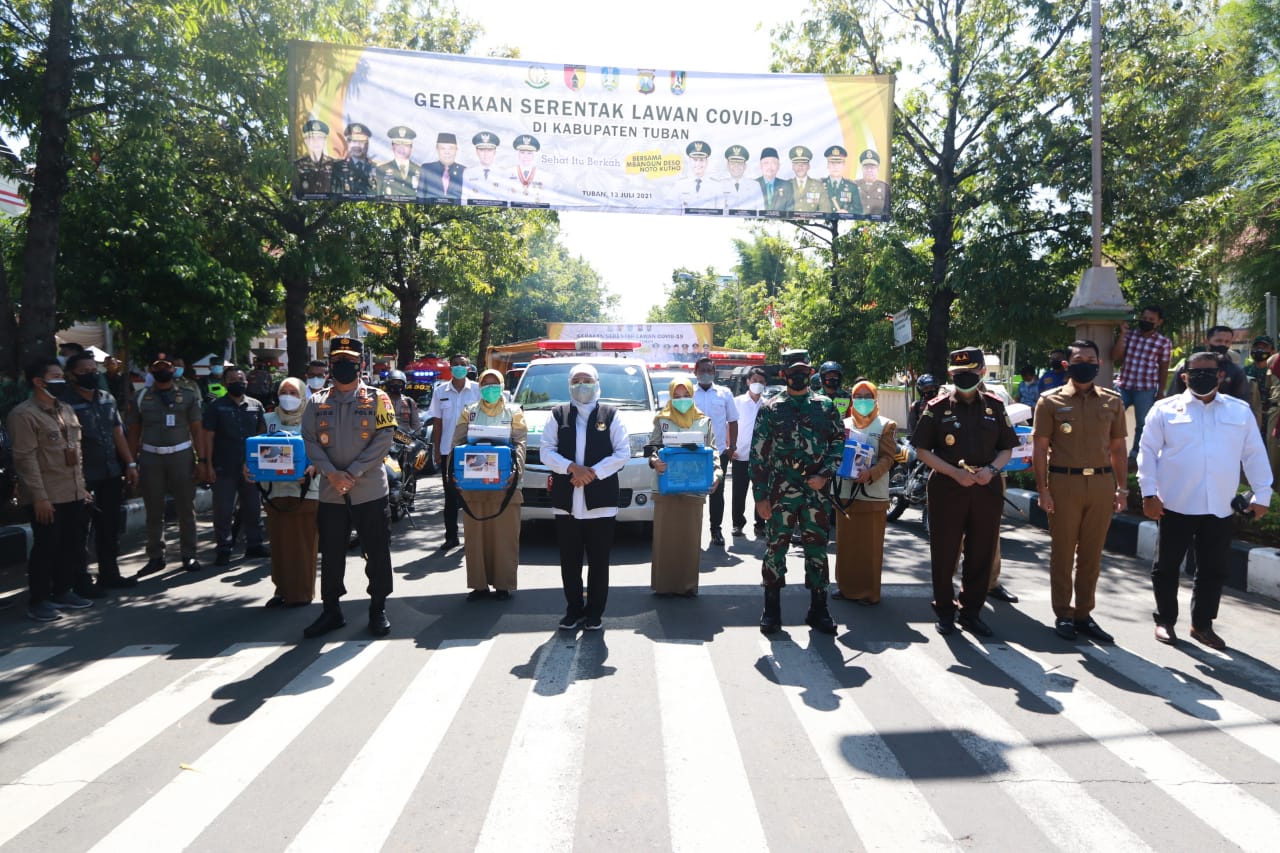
(166, 416)
(350, 431)
(46, 453)
(1079, 426)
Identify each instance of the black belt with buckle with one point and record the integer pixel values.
(1087, 472)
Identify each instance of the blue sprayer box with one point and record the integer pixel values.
(689, 471)
(275, 457)
(856, 459)
(1021, 459)
(482, 466)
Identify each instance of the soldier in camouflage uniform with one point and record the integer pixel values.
(795, 453)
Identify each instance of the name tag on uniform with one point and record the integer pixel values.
(170, 420)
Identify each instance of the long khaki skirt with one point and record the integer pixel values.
(860, 549)
(492, 547)
(295, 544)
(677, 543)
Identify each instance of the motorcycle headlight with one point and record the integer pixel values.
(638, 442)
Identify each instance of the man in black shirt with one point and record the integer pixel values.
(228, 421)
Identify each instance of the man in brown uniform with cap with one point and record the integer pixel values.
(966, 438)
(348, 428)
(1079, 463)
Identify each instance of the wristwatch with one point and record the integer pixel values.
(131, 465)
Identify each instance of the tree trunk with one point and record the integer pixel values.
(486, 322)
(9, 362)
(296, 292)
(411, 302)
(40, 255)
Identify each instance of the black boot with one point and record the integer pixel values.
(330, 619)
(771, 618)
(818, 618)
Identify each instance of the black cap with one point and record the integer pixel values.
(446, 139)
(836, 152)
(356, 130)
(969, 358)
(315, 127)
(1264, 339)
(769, 152)
(485, 139)
(162, 358)
(869, 156)
(345, 346)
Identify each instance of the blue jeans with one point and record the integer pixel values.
(1142, 401)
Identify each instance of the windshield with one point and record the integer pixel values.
(545, 384)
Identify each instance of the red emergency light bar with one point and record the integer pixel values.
(589, 345)
(737, 356)
(672, 365)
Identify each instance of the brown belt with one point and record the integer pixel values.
(1087, 472)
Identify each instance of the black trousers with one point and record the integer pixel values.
(963, 513)
(741, 489)
(451, 504)
(57, 551)
(372, 522)
(228, 486)
(104, 519)
(715, 504)
(594, 537)
(1211, 538)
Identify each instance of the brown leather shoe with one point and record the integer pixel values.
(1164, 633)
(1208, 638)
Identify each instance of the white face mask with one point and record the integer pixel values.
(315, 383)
(585, 393)
(756, 388)
(290, 403)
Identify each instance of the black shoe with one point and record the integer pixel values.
(191, 564)
(328, 620)
(819, 618)
(570, 622)
(275, 601)
(771, 618)
(92, 590)
(449, 543)
(257, 552)
(222, 558)
(379, 625)
(155, 564)
(737, 531)
(592, 623)
(1091, 629)
(946, 627)
(999, 593)
(717, 538)
(758, 529)
(974, 625)
(478, 594)
(502, 595)
(1065, 628)
(117, 582)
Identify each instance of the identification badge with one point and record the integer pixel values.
(170, 420)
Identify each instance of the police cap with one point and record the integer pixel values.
(698, 149)
(969, 358)
(525, 142)
(401, 134)
(446, 139)
(356, 130)
(315, 127)
(836, 152)
(737, 152)
(485, 139)
(769, 152)
(800, 154)
(869, 156)
(1264, 339)
(345, 346)
(162, 358)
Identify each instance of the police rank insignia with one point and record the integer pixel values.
(386, 413)
(950, 440)
(1066, 427)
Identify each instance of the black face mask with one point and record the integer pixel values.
(395, 389)
(1055, 364)
(87, 380)
(237, 389)
(797, 381)
(1259, 355)
(966, 380)
(1202, 381)
(1219, 349)
(1082, 371)
(831, 381)
(162, 375)
(344, 372)
(1145, 325)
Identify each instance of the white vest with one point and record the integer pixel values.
(876, 490)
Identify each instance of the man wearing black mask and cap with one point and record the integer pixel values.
(1234, 382)
(228, 421)
(966, 438)
(1263, 383)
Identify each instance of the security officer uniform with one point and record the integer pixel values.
(351, 431)
(229, 422)
(968, 435)
(796, 437)
(396, 181)
(1079, 426)
(168, 421)
(874, 194)
(809, 195)
(843, 193)
(313, 177)
(355, 176)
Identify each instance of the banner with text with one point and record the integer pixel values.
(370, 124)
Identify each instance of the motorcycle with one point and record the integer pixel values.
(407, 460)
(908, 485)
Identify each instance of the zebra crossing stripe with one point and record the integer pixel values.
(1254, 731)
(33, 710)
(873, 784)
(362, 808)
(48, 785)
(535, 804)
(175, 816)
(1238, 816)
(1050, 797)
(14, 663)
(709, 797)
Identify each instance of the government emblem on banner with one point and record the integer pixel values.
(536, 77)
(644, 80)
(677, 82)
(575, 77)
(609, 78)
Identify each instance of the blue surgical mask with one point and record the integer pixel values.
(216, 370)
(458, 371)
(177, 372)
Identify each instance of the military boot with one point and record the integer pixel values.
(771, 618)
(818, 618)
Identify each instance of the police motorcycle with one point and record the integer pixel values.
(406, 461)
(909, 484)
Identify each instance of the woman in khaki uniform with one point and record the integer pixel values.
(862, 502)
(677, 519)
(291, 512)
(491, 532)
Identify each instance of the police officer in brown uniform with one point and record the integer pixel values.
(348, 428)
(966, 438)
(1079, 463)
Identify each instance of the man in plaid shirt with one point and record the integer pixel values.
(1145, 353)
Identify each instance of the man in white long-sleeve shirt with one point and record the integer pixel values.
(1192, 449)
(585, 445)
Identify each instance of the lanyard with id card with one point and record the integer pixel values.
(170, 420)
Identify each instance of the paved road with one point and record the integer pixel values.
(190, 717)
